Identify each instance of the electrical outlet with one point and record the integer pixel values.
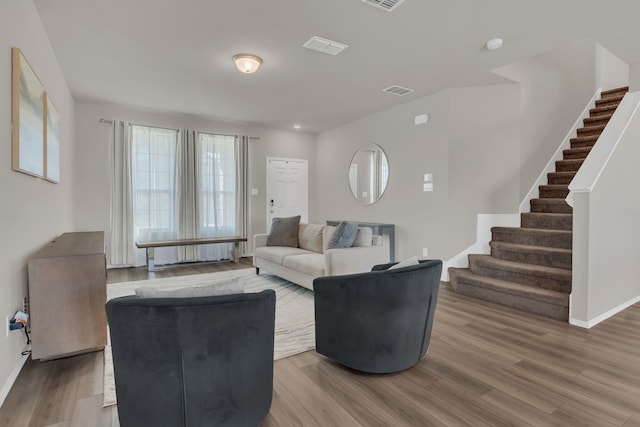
(425, 252)
(25, 305)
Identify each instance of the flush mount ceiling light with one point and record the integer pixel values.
(247, 63)
(494, 44)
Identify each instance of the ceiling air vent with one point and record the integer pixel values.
(325, 46)
(387, 5)
(397, 90)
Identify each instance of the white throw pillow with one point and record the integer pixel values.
(233, 286)
(406, 263)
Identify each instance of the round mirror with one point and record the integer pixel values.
(368, 174)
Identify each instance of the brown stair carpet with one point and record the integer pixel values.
(529, 267)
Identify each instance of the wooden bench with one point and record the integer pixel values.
(150, 246)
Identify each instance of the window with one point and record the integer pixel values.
(153, 163)
(217, 184)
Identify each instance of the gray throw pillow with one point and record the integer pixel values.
(233, 286)
(343, 236)
(284, 232)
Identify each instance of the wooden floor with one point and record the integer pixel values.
(487, 366)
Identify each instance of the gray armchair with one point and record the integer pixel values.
(379, 321)
(192, 362)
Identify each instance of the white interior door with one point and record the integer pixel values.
(287, 189)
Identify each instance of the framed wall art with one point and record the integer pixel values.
(27, 117)
(51, 140)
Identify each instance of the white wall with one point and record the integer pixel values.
(606, 228)
(611, 71)
(469, 133)
(91, 202)
(634, 77)
(33, 211)
(555, 86)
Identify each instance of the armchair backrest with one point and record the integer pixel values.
(193, 361)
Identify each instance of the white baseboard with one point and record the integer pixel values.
(6, 388)
(604, 316)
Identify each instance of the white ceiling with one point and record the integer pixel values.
(175, 55)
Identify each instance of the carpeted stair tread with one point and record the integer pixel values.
(601, 119)
(568, 165)
(614, 92)
(576, 153)
(554, 191)
(533, 236)
(534, 292)
(558, 279)
(604, 110)
(547, 221)
(526, 298)
(550, 206)
(590, 130)
(538, 255)
(584, 141)
(609, 100)
(560, 177)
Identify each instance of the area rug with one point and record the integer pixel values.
(294, 328)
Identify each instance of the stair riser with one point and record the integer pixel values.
(547, 222)
(589, 131)
(554, 179)
(614, 92)
(583, 142)
(542, 207)
(556, 283)
(544, 309)
(568, 165)
(547, 193)
(608, 101)
(602, 111)
(547, 260)
(597, 120)
(575, 153)
(523, 237)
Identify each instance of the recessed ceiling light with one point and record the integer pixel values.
(494, 44)
(297, 126)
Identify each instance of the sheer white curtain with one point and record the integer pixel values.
(216, 189)
(242, 189)
(120, 240)
(153, 160)
(168, 184)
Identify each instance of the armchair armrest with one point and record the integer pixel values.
(354, 259)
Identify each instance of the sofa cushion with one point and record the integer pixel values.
(363, 238)
(233, 286)
(327, 231)
(310, 237)
(276, 254)
(310, 263)
(284, 232)
(343, 236)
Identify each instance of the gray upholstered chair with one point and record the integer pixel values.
(379, 321)
(191, 362)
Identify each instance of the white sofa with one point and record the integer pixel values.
(312, 259)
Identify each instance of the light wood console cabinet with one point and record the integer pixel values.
(67, 294)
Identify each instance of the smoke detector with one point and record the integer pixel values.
(387, 5)
(494, 44)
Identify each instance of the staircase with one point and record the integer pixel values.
(530, 266)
